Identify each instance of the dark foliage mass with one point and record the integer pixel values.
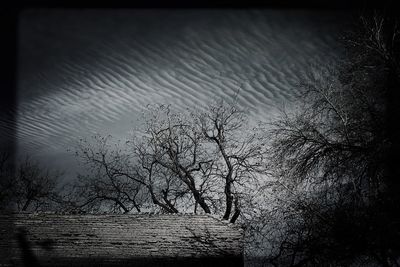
(337, 196)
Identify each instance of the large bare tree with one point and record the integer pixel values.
(198, 161)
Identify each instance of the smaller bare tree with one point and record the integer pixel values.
(27, 186)
(110, 185)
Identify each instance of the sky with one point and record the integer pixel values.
(93, 71)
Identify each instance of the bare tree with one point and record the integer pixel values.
(6, 172)
(181, 162)
(239, 153)
(174, 145)
(110, 185)
(27, 186)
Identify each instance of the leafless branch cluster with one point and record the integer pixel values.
(27, 186)
(193, 162)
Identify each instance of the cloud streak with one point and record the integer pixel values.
(93, 71)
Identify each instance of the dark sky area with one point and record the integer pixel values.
(88, 71)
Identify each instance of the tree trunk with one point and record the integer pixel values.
(236, 213)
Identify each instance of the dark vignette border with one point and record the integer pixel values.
(9, 15)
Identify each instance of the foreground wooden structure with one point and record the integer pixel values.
(118, 240)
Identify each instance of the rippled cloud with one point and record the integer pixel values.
(83, 72)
